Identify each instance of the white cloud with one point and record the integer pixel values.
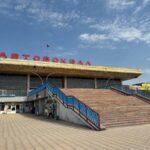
(143, 5)
(39, 11)
(146, 38)
(22, 4)
(120, 29)
(120, 4)
(87, 20)
(102, 45)
(72, 1)
(92, 37)
(129, 34)
(146, 1)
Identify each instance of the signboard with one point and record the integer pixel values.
(44, 58)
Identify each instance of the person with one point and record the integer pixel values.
(51, 110)
(48, 109)
(33, 110)
(36, 110)
(54, 110)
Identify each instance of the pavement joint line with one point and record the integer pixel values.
(31, 132)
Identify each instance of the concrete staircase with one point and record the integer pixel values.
(115, 109)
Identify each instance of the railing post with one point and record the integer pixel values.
(99, 123)
(79, 106)
(73, 104)
(86, 112)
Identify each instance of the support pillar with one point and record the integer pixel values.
(28, 83)
(65, 82)
(95, 83)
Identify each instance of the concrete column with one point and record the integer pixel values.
(28, 83)
(65, 82)
(95, 83)
(40, 107)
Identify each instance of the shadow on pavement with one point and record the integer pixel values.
(57, 122)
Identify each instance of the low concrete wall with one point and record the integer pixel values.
(69, 115)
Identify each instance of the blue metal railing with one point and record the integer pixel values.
(82, 108)
(124, 89)
(143, 93)
(127, 90)
(37, 90)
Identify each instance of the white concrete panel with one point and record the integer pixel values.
(13, 99)
(69, 115)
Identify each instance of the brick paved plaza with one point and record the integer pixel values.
(27, 132)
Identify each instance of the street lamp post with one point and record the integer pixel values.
(48, 76)
(107, 83)
(38, 76)
(38, 106)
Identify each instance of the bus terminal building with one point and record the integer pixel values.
(20, 77)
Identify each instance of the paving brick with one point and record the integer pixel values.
(27, 132)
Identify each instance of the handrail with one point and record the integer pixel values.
(86, 106)
(123, 90)
(129, 91)
(76, 104)
(145, 94)
(37, 90)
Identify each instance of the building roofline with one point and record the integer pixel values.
(97, 71)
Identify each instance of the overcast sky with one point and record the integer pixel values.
(105, 32)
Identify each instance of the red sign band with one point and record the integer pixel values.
(44, 58)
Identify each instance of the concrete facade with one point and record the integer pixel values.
(13, 99)
(69, 115)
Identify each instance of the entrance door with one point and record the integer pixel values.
(21, 108)
(17, 108)
(2, 105)
(13, 109)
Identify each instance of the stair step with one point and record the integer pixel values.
(124, 119)
(119, 124)
(115, 109)
(123, 125)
